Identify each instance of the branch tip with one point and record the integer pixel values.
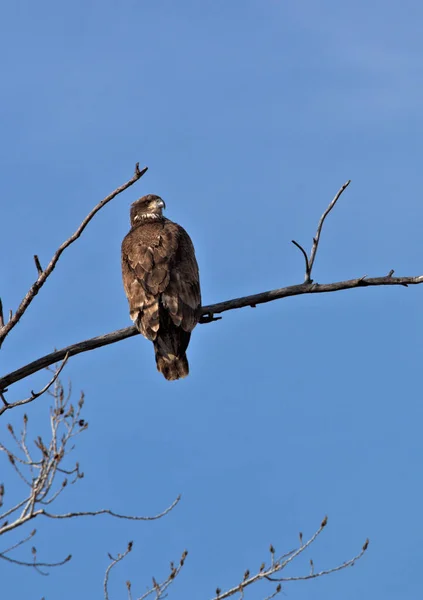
(316, 239)
(38, 265)
(324, 522)
(139, 173)
(366, 545)
(307, 263)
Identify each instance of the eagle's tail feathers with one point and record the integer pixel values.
(172, 367)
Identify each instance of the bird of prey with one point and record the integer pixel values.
(161, 281)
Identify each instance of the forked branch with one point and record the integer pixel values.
(276, 565)
(158, 588)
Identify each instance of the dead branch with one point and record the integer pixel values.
(34, 395)
(207, 315)
(276, 565)
(38, 265)
(316, 239)
(44, 274)
(157, 589)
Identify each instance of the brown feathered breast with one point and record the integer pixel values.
(161, 281)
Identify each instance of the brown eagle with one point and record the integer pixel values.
(161, 281)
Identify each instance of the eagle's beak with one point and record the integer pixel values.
(161, 204)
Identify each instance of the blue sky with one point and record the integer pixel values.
(250, 116)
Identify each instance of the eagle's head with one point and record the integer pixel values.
(148, 207)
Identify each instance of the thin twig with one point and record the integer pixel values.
(160, 588)
(36, 564)
(38, 265)
(275, 593)
(316, 238)
(1, 314)
(29, 537)
(12, 510)
(42, 277)
(34, 395)
(106, 511)
(304, 253)
(110, 567)
(344, 565)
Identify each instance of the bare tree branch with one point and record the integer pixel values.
(44, 274)
(277, 565)
(106, 511)
(34, 395)
(304, 253)
(157, 589)
(312, 575)
(45, 361)
(29, 537)
(35, 564)
(38, 265)
(206, 312)
(110, 567)
(316, 239)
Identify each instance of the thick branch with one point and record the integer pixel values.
(207, 313)
(44, 274)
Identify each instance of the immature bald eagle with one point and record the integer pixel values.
(161, 281)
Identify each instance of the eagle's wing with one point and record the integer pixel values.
(146, 253)
(182, 296)
(160, 272)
